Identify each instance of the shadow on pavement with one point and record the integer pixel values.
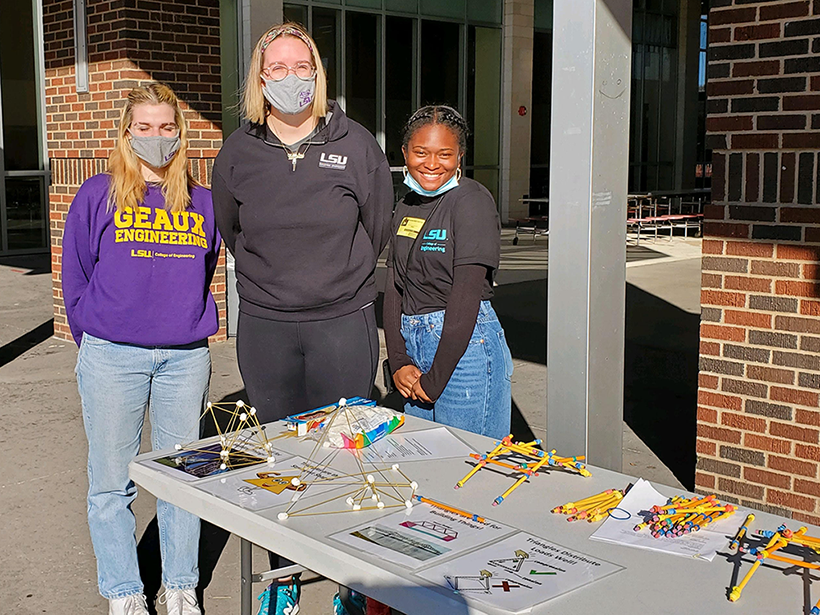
(37, 264)
(26, 342)
(660, 379)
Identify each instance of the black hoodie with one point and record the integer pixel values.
(305, 236)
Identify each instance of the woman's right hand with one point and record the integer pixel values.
(404, 378)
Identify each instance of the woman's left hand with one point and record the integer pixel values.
(417, 393)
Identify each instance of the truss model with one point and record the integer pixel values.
(372, 486)
(524, 461)
(242, 443)
(779, 539)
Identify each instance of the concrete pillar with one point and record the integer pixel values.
(516, 93)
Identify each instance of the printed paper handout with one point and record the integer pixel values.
(416, 537)
(518, 572)
(190, 465)
(620, 527)
(425, 445)
(265, 486)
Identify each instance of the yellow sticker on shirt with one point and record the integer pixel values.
(410, 227)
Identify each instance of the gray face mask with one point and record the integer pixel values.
(158, 151)
(291, 95)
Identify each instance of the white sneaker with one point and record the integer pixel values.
(130, 605)
(181, 602)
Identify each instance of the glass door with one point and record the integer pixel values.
(23, 216)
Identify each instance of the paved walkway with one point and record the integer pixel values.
(46, 561)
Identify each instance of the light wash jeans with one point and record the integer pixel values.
(477, 397)
(117, 382)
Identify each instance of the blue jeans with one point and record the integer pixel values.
(117, 382)
(477, 397)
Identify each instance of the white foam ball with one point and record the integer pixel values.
(178, 447)
(209, 405)
(222, 466)
(243, 416)
(370, 479)
(240, 403)
(253, 411)
(295, 482)
(408, 504)
(374, 497)
(395, 466)
(357, 507)
(414, 485)
(349, 501)
(342, 402)
(282, 516)
(271, 460)
(380, 505)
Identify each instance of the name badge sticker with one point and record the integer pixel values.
(410, 227)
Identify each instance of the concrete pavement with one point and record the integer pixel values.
(45, 552)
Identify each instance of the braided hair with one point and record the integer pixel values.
(437, 114)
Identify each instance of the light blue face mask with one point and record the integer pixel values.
(411, 183)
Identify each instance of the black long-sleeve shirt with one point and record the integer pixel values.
(305, 236)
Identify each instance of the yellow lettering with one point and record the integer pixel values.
(163, 237)
(181, 220)
(152, 237)
(173, 238)
(198, 220)
(162, 221)
(123, 219)
(141, 217)
(139, 235)
(118, 236)
(129, 234)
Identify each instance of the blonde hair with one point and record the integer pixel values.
(254, 105)
(128, 186)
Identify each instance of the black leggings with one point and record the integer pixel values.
(290, 367)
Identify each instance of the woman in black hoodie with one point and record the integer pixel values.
(303, 198)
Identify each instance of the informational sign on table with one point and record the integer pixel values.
(420, 536)
(264, 487)
(204, 461)
(438, 443)
(619, 528)
(519, 572)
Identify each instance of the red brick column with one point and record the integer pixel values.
(130, 42)
(758, 417)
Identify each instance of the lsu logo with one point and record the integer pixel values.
(333, 161)
(436, 234)
(142, 254)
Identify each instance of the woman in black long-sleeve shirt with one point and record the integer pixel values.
(446, 348)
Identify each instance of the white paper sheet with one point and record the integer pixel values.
(418, 537)
(205, 461)
(425, 445)
(236, 488)
(518, 572)
(703, 544)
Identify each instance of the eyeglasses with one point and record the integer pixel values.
(303, 70)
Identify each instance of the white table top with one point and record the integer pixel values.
(651, 582)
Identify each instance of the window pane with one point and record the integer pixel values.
(484, 96)
(439, 63)
(443, 8)
(19, 88)
(367, 4)
(361, 66)
(293, 12)
(543, 14)
(540, 114)
(325, 35)
(484, 10)
(24, 213)
(399, 84)
(407, 6)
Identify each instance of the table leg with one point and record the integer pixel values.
(246, 594)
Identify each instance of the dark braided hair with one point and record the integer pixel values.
(437, 114)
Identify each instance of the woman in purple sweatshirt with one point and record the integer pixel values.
(139, 250)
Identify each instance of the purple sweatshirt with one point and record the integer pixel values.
(139, 277)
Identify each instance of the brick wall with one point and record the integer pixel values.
(759, 388)
(129, 42)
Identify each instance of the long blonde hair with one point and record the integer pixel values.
(128, 186)
(254, 105)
